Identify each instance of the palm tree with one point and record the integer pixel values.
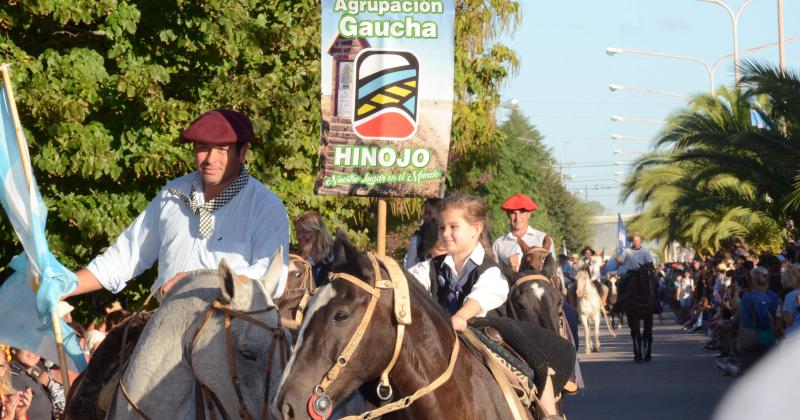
(726, 166)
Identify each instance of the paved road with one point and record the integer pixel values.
(680, 383)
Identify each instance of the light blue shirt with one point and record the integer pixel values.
(791, 305)
(633, 259)
(247, 230)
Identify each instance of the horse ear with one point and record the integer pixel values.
(228, 281)
(525, 248)
(272, 277)
(347, 259)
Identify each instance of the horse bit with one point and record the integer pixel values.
(207, 395)
(320, 405)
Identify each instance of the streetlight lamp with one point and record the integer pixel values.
(624, 137)
(509, 104)
(617, 118)
(625, 152)
(711, 69)
(735, 22)
(620, 88)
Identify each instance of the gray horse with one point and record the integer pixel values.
(162, 379)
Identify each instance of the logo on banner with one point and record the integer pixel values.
(386, 94)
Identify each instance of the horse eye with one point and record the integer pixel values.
(340, 316)
(249, 355)
(297, 274)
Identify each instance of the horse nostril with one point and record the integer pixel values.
(287, 411)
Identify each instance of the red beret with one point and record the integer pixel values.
(220, 126)
(519, 202)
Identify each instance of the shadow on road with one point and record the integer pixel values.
(682, 382)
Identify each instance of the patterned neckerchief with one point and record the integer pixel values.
(207, 210)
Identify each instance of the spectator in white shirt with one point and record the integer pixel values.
(217, 212)
(519, 208)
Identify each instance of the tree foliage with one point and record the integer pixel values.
(104, 88)
(725, 166)
(520, 163)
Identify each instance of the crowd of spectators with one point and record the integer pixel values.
(31, 387)
(744, 302)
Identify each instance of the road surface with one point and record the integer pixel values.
(682, 381)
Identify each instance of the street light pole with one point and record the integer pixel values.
(617, 118)
(709, 68)
(735, 22)
(624, 137)
(620, 88)
(615, 51)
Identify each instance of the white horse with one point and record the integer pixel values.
(185, 360)
(589, 309)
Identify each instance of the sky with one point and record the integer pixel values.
(563, 82)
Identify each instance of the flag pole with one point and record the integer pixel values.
(23, 152)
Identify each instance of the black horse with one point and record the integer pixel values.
(639, 301)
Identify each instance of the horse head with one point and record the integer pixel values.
(539, 301)
(214, 329)
(300, 274)
(347, 334)
(334, 314)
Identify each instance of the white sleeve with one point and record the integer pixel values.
(271, 224)
(411, 253)
(490, 290)
(135, 250)
(496, 250)
(422, 273)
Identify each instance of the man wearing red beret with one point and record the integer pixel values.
(518, 208)
(216, 212)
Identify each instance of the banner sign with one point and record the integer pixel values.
(387, 97)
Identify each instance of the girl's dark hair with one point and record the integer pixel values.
(475, 212)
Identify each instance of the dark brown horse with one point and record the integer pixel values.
(639, 300)
(425, 356)
(533, 296)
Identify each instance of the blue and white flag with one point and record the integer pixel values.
(26, 314)
(622, 243)
(622, 235)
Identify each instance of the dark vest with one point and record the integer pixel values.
(438, 268)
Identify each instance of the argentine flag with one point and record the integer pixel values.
(26, 313)
(622, 243)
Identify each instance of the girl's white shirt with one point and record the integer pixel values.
(490, 290)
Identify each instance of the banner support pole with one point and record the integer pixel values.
(381, 227)
(23, 152)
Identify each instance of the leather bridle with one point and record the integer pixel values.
(320, 405)
(206, 399)
(308, 278)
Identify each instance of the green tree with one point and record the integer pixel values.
(724, 166)
(105, 87)
(520, 163)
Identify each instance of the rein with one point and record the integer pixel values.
(320, 405)
(205, 394)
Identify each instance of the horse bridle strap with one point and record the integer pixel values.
(525, 279)
(319, 404)
(308, 282)
(207, 394)
(407, 401)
